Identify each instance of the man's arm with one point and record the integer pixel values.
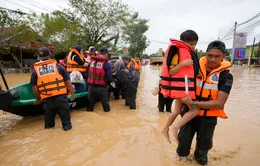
(225, 85)
(108, 70)
(35, 89)
(70, 88)
(214, 104)
(79, 61)
(66, 79)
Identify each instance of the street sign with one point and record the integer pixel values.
(240, 40)
(240, 54)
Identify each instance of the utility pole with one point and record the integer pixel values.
(250, 57)
(234, 41)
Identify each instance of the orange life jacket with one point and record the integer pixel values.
(207, 86)
(49, 81)
(73, 65)
(88, 53)
(135, 63)
(174, 86)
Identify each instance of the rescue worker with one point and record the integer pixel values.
(92, 51)
(133, 67)
(137, 63)
(99, 77)
(50, 82)
(113, 88)
(76, 62)
(126, 80)
(63, 62)
(213, 85)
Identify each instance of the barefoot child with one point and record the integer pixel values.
(181, 60)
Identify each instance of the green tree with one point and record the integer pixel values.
(133, 34)
(200, 53)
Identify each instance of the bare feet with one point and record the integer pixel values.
(174, 133)
(165, 133)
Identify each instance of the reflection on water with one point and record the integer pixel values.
(127, 137)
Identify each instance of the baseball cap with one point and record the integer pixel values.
(43, 53)
(91, 48)
(217, 45)
(103, 50)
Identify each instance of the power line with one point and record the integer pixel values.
(15, 11)
(251, 19)
(36, 6)
(228, 33)
(20, 5)
(158, 41)
(253, 25)
(46, 7)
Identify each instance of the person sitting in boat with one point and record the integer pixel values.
(180, 61)
(76, 62)
(50, 83)
(99, 77)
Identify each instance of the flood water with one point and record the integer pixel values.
(124, 137)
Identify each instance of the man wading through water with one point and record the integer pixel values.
(50, 82)
(213, 85)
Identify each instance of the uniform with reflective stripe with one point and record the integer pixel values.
(207, 86)
(174, 86)
(73, 65)
(96, 73)
(49, 81)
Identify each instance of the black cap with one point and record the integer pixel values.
(217, 45)
(103, 51)
(43, 53)
(126, 57)
(77, 47)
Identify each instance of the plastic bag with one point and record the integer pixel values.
(76, 77)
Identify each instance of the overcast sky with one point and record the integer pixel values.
(168, 18)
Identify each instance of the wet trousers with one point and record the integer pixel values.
(98, 93)
(164, 102)
(54, 106)
(204, 128)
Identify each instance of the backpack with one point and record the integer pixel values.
(135, 75)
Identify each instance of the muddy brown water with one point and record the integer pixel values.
(125, 137)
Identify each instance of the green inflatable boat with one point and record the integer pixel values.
(19, 100)
(24, 106)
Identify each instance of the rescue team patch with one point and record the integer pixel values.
(46, 69)
(214, 78)
(97, 65)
